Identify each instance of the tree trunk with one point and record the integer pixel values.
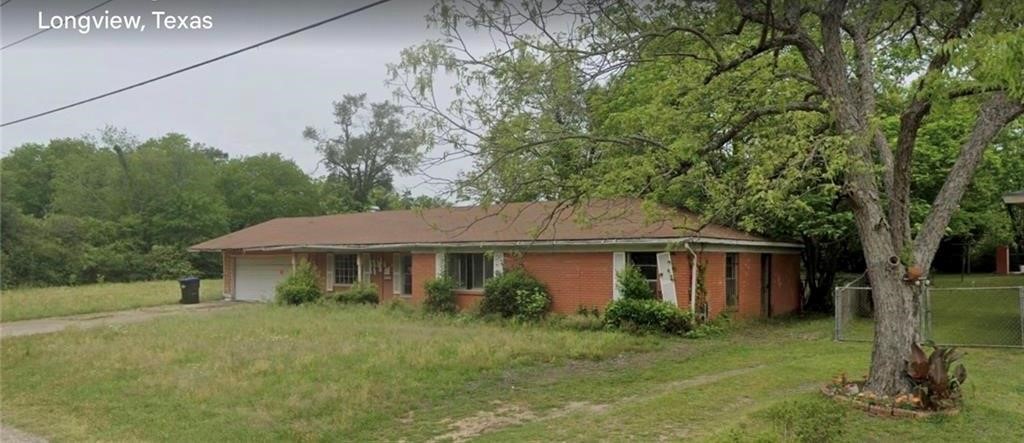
(896, 329)
(896, 319)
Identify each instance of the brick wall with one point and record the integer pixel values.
(1002, 260)
(574, 279)
(229, 273)
(749, 285)
(577, 279)
(423, 269)
(786, 290)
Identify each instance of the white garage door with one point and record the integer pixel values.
(256, 277)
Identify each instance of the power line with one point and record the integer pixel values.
(47, 29)
(4, 3)
(202, 63)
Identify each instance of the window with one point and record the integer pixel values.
(470, 270)
(346, 269)
(647, 263)
(406, 263)
(732, 272)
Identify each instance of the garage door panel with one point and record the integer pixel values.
(256, 277)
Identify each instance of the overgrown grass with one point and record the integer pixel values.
(29, 303)
(364, 374)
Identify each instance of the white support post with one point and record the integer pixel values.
(837, 307)
(666, 278)
(329, 272)
(439, 264)
(397, 279)
(499, 263)
(618, 264)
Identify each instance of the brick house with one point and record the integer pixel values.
(576, 252)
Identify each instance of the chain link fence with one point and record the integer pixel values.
(984, 317)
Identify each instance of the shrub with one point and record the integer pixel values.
(579, 322)
(647, 315)
(515, 294)
(299, 287)
(633, 285)
(808, 420)
(359, 293)
(400, 307)
(440, 296)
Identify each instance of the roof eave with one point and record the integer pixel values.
(511, 244)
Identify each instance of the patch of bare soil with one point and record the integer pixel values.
(506, 415)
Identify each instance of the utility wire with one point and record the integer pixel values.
(47, 29)
(200, 64)
(4, 3)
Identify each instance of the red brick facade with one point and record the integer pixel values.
(584, 279)
(1002, 260)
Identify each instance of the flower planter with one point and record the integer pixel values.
(883, 410)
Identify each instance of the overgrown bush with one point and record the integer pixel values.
(515, 294)
(578, 322)
(299, 287)
(808, 420)
(440, 295)
(360, 293)
(633, 285)
(647, 315)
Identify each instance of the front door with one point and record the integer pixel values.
(766, 285)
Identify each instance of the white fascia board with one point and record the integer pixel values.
(653, 244)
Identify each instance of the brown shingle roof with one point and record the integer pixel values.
(622, 219)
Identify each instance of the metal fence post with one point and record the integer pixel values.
(1021, 297)
(837, 333)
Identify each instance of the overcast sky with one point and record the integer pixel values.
(255, 102)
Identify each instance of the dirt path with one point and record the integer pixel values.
(506, 415)
(56, 324)
(11, 435)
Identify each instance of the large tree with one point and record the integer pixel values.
(779, 84)
(374, 144)
(263, 187)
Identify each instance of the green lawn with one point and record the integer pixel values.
(29, 303)
(364, 374)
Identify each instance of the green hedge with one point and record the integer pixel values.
(515, 294)
(647, 315)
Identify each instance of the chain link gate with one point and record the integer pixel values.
(982, 317)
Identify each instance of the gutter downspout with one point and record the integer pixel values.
(693, 278)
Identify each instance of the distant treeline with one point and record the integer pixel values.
(87, 210)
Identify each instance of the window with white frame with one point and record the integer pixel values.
(346, 269)
(470, 270)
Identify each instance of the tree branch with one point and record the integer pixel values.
(994, 114)
(910, 122)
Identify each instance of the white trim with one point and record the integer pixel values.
(364, 272)
(439, 259)
(618, 264)
(666, 278)
(498, 260)
(329, 268)
(693, 279)
(397, 279)
(784, 247)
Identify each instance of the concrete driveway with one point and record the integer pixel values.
(85, 321)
